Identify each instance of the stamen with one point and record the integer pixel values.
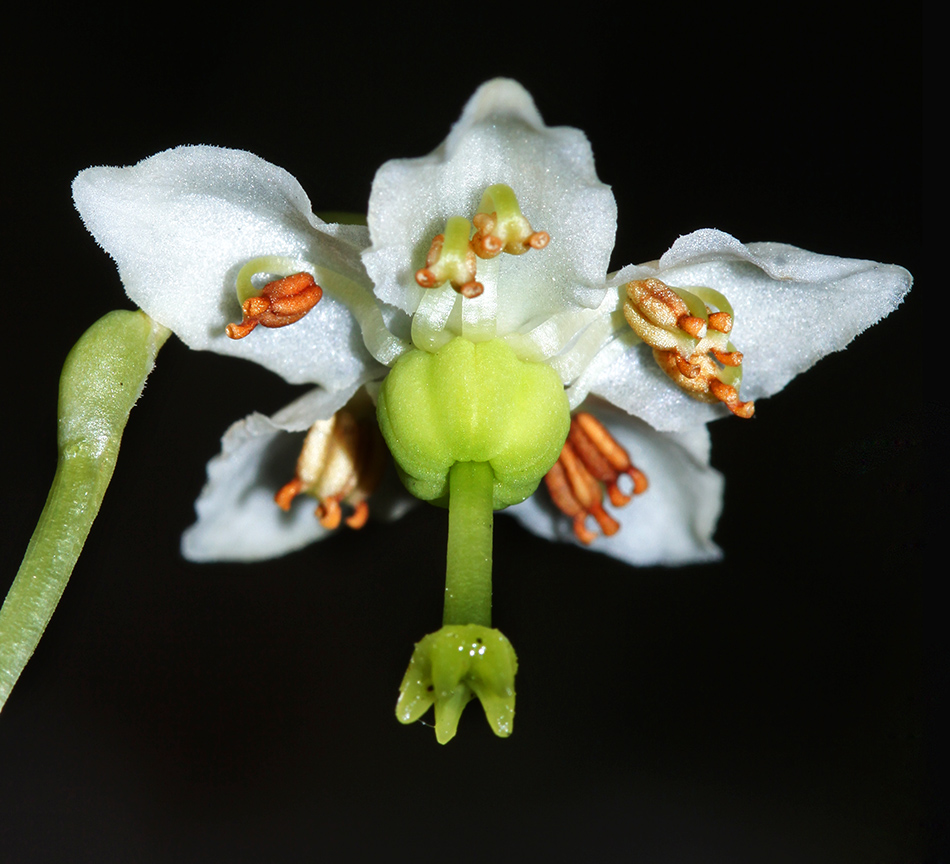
(329, 513)
(590, 461)
(491, 239)
(280, 303)
(451, 259)
(657, 302)
(721, 321)
(730, 398)
(341, 463)
(563, 497)
(728, 358)
(359, 516)
(696, 327)
(588, 426)
(499, 227)
(686, 335)
(702, 381)
(586, 490)
(285, 497)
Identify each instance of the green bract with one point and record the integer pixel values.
(473, 402)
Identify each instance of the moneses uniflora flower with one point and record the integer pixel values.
(471, 330)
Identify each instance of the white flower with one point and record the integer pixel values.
(185, 225)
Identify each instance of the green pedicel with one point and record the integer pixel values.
(102, 378)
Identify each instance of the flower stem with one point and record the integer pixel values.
(102, 377)
(468, 559)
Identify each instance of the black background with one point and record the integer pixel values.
(768, 708)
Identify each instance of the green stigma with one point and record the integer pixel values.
(472, 427)
(451, 667)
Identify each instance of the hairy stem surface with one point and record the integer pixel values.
(102, 378)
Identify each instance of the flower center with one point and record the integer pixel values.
(341, 462)
(279, 303)
(590, 461)
(688, 338)
(473, 402)
(499, 227)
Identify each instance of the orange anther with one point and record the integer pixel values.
(538, 240)
(563, 497)
(728, 358)
(329, 513)
(280, 303)
(686, 369)
(256, 306)
(721, 321)
(696, 327)
(357, 519)
(285, 496)
(730, 398)
(289, 286)
(239, 331)
(584, 487)
(426, 278)
(590, 461)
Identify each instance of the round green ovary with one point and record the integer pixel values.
(473, 402)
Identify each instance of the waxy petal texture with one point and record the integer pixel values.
(237, 517)
(181, 224)
(500, 138)
(792, 308)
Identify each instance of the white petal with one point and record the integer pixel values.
(672, 522)
(237, 517)
(792, 307)
(182, 223)
(500, 138)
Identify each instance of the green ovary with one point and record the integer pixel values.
(473, 402)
